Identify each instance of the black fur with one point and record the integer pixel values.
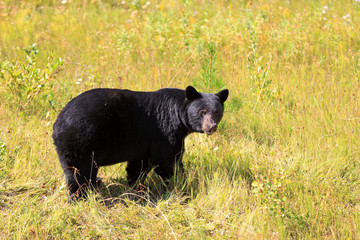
(146, 129)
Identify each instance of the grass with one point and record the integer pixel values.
(284, 164)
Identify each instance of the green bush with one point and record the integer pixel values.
(28, 85)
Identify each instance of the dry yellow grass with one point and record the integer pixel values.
(290, 131)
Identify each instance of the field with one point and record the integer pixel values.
(284, 163)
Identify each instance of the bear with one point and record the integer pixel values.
(147, 130)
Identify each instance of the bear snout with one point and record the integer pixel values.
(212, 129)
(209, 125)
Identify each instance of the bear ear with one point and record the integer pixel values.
(223, 95)
(191, 93)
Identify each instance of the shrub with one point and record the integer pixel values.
(28, 86)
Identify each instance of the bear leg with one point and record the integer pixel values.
(164, 172)
(166, 158)
(137, 171)
(166, 169)
(79, 179)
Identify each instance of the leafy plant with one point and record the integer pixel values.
(270, 189)
(258, 74)
(28, 85)
(3, 164)
(209, 60)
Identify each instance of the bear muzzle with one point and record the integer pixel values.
(211, 130)
(209, 126)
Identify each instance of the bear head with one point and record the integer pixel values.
(204, 110)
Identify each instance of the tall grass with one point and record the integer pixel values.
(284, 164)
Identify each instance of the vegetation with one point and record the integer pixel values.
(284, 164)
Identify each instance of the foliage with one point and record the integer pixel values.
(3, 161)
(27, 83)
(284, 163)
(258, 75)
(209, 79)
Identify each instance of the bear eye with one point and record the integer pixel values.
(216, 112)
(202, 112)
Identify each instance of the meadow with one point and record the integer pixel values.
(284, 163)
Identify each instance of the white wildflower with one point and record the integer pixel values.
(346, 17)
(146, 5)
(325, 9)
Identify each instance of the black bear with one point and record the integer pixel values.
(145, 129)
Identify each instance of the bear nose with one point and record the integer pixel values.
(213, 128)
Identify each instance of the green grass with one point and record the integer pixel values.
(284, 164)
